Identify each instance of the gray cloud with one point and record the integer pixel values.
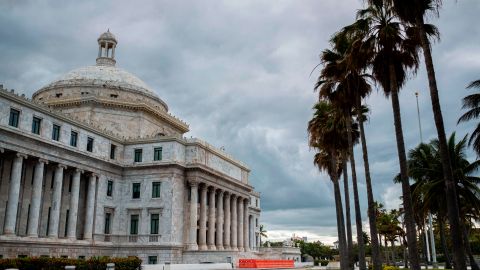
(238, 73)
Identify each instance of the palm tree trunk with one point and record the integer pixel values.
(450, 189)
(394, 255)
(347, 214)
(402, 157)
(340, 221)
(443, 239)
(473, 263)
(377, 264)
(358, 213)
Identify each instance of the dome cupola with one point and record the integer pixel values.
(106, 49)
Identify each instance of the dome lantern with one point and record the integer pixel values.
(106, 49)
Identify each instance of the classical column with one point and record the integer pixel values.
(88, 229)
(73, 212)
(99, 50)
(203, 219)
(240, 224)
(246, 221)
(234, 223)
(227, 218)
(211, 220)
(13, 194)
(192, 243)
(56, 201)
(220, 220)
(34, 214)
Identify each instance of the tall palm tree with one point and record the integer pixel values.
(472, 103)
(393, 54)
(342, 84)
(414, 12)
(426, 169)
(327, 135)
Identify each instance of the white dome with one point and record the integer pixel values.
(102, 76)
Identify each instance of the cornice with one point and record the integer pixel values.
(167, 117)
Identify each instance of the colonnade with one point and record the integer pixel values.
(223, 223)
(56, 200)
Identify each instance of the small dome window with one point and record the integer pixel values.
(58, 95)
(113, 95)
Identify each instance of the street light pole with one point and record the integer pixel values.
(430, 225)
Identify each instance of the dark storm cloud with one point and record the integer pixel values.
(238, 73)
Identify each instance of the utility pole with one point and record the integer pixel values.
(430, 225)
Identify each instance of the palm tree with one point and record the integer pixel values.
(472, 103)
(426, 169)
(341, 83)
(413, 12)
(393, 53)
(327, 134)
(263, 233)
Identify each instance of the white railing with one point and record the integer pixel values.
(125, 239)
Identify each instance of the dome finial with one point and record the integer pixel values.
(106, 49)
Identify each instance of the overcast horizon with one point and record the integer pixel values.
(238, 72)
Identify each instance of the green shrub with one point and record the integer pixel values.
(94, 263)
(389, 267)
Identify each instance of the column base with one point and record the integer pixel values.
(8, 232)
(32, 235)
(226, 247)
(234, 249)
(212, 247)
(192, 247)
(202, 247)
(241, 249)
(219, 248)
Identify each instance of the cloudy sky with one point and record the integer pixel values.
(239, 73)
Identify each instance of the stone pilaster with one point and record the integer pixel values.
(240, 224)
(13, 195)
(234, 227)
(56, 201)
(72, 214)
(36, 200)
(220, 220)
(90, 208)
(227, 219)
(192, 243)
(202, 243)
(246, 222)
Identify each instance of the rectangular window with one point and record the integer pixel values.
(109, 188)
(134, 224)
(66, 222)
(137, 155)
(156, 190)
(136, 191)
(89, 144)
(107, 223)
(152, 259)
(56, 132)
(73, 138)
(36, 125)
(14, 117)
(70, 183)
(112, 151)
(157, 153)
(154, 223)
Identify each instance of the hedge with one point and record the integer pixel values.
(94, 263)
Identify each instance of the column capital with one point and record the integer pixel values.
(61, 166)
(193, 183)
(92, 174)
(221, 192)
(22, 155)
(78, 170)
(41, 160)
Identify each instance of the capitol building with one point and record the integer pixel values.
(95, 165)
